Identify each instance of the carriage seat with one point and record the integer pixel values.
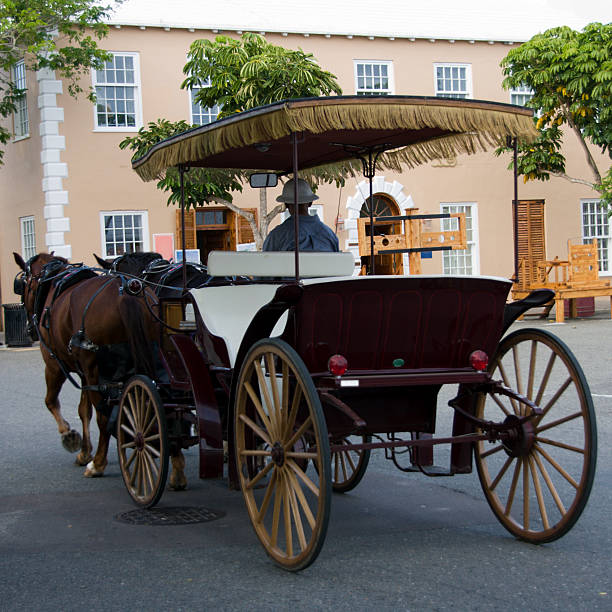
(227, 311)
(279, 264)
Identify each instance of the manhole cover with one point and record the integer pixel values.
(169, 516)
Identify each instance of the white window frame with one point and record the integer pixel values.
(314, 209)
(115, 213)
(209, 111)
(364, 91)
(28, 236)
(443, 93)
(136, 85)
(521, 95)
(598, 226)
(473, 241)
(21, 119)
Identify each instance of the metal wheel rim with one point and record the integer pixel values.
(142, 442)
(288, 497)
(539, 495)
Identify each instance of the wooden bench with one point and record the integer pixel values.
(576, 277)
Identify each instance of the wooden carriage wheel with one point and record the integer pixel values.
(142, 441)
(539, 483)
(349, 466)
(282, 454)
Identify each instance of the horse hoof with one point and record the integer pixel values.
(71, 441)
(178, 484)
(82, 460)
(92, 472)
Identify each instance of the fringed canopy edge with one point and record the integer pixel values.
(472, 126)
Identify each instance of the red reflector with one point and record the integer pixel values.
(479, 360)
(337, 365)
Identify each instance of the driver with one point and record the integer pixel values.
(314, 235)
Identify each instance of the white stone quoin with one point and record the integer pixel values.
(54, 170)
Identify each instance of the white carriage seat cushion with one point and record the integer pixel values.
(228, 311)
(279, 264)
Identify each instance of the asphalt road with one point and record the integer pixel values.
(401, 542)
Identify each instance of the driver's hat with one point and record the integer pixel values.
(305, 193)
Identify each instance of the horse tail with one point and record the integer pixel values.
(141, 348)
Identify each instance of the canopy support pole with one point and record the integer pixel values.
(182, 169)
(296, 206)
(515, 210)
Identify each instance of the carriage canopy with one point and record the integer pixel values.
(412, 131)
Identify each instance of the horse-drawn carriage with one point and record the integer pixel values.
(304, 368)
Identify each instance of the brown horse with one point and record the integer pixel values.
(93, 326)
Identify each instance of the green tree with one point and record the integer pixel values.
(570, 74)
(202, 185)
(240, 74)
(55, 34)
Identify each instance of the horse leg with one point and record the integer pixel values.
(178, 481)
(97, 466)
(55, 378)
(84, 457)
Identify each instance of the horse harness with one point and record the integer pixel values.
(59, 276)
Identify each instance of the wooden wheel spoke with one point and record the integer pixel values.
(130, 460)
(277, 507)
(506, 381)
(556, 466)
(295, 404)
(276, 406)
(127, 430)
(555, 398)
(517, 369)
(261, 513)
(301, 455)
(258, 407)
(152, 450)
(125, 445)
(271, 413)
(525, 494)
(154, 470)
(298, 434)
(343, 465)
(350, 460)
(569, 447)
(311, 485)
(256, 429)
(302, 499)
(549, 484)
(532, 364)
(255, 453)
(491, 451)
(295, 510)
(129, 414)
(501, 473)
(498, 401)
(512, 491)
(569, 417)
(251, 483)
(545, 378)
(538, 490)
(148, 419)
(287, 515)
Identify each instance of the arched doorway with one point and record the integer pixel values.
(382, 205)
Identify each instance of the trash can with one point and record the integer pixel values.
(15, 323)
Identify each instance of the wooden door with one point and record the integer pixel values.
(531, 243)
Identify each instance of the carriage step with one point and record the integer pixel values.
(430, 470)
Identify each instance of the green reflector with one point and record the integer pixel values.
(398, 363)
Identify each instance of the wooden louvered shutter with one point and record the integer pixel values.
(190, 230)
(531, 242)
(245, 233)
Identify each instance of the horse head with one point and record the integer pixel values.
(131, 264)
(28, 282)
